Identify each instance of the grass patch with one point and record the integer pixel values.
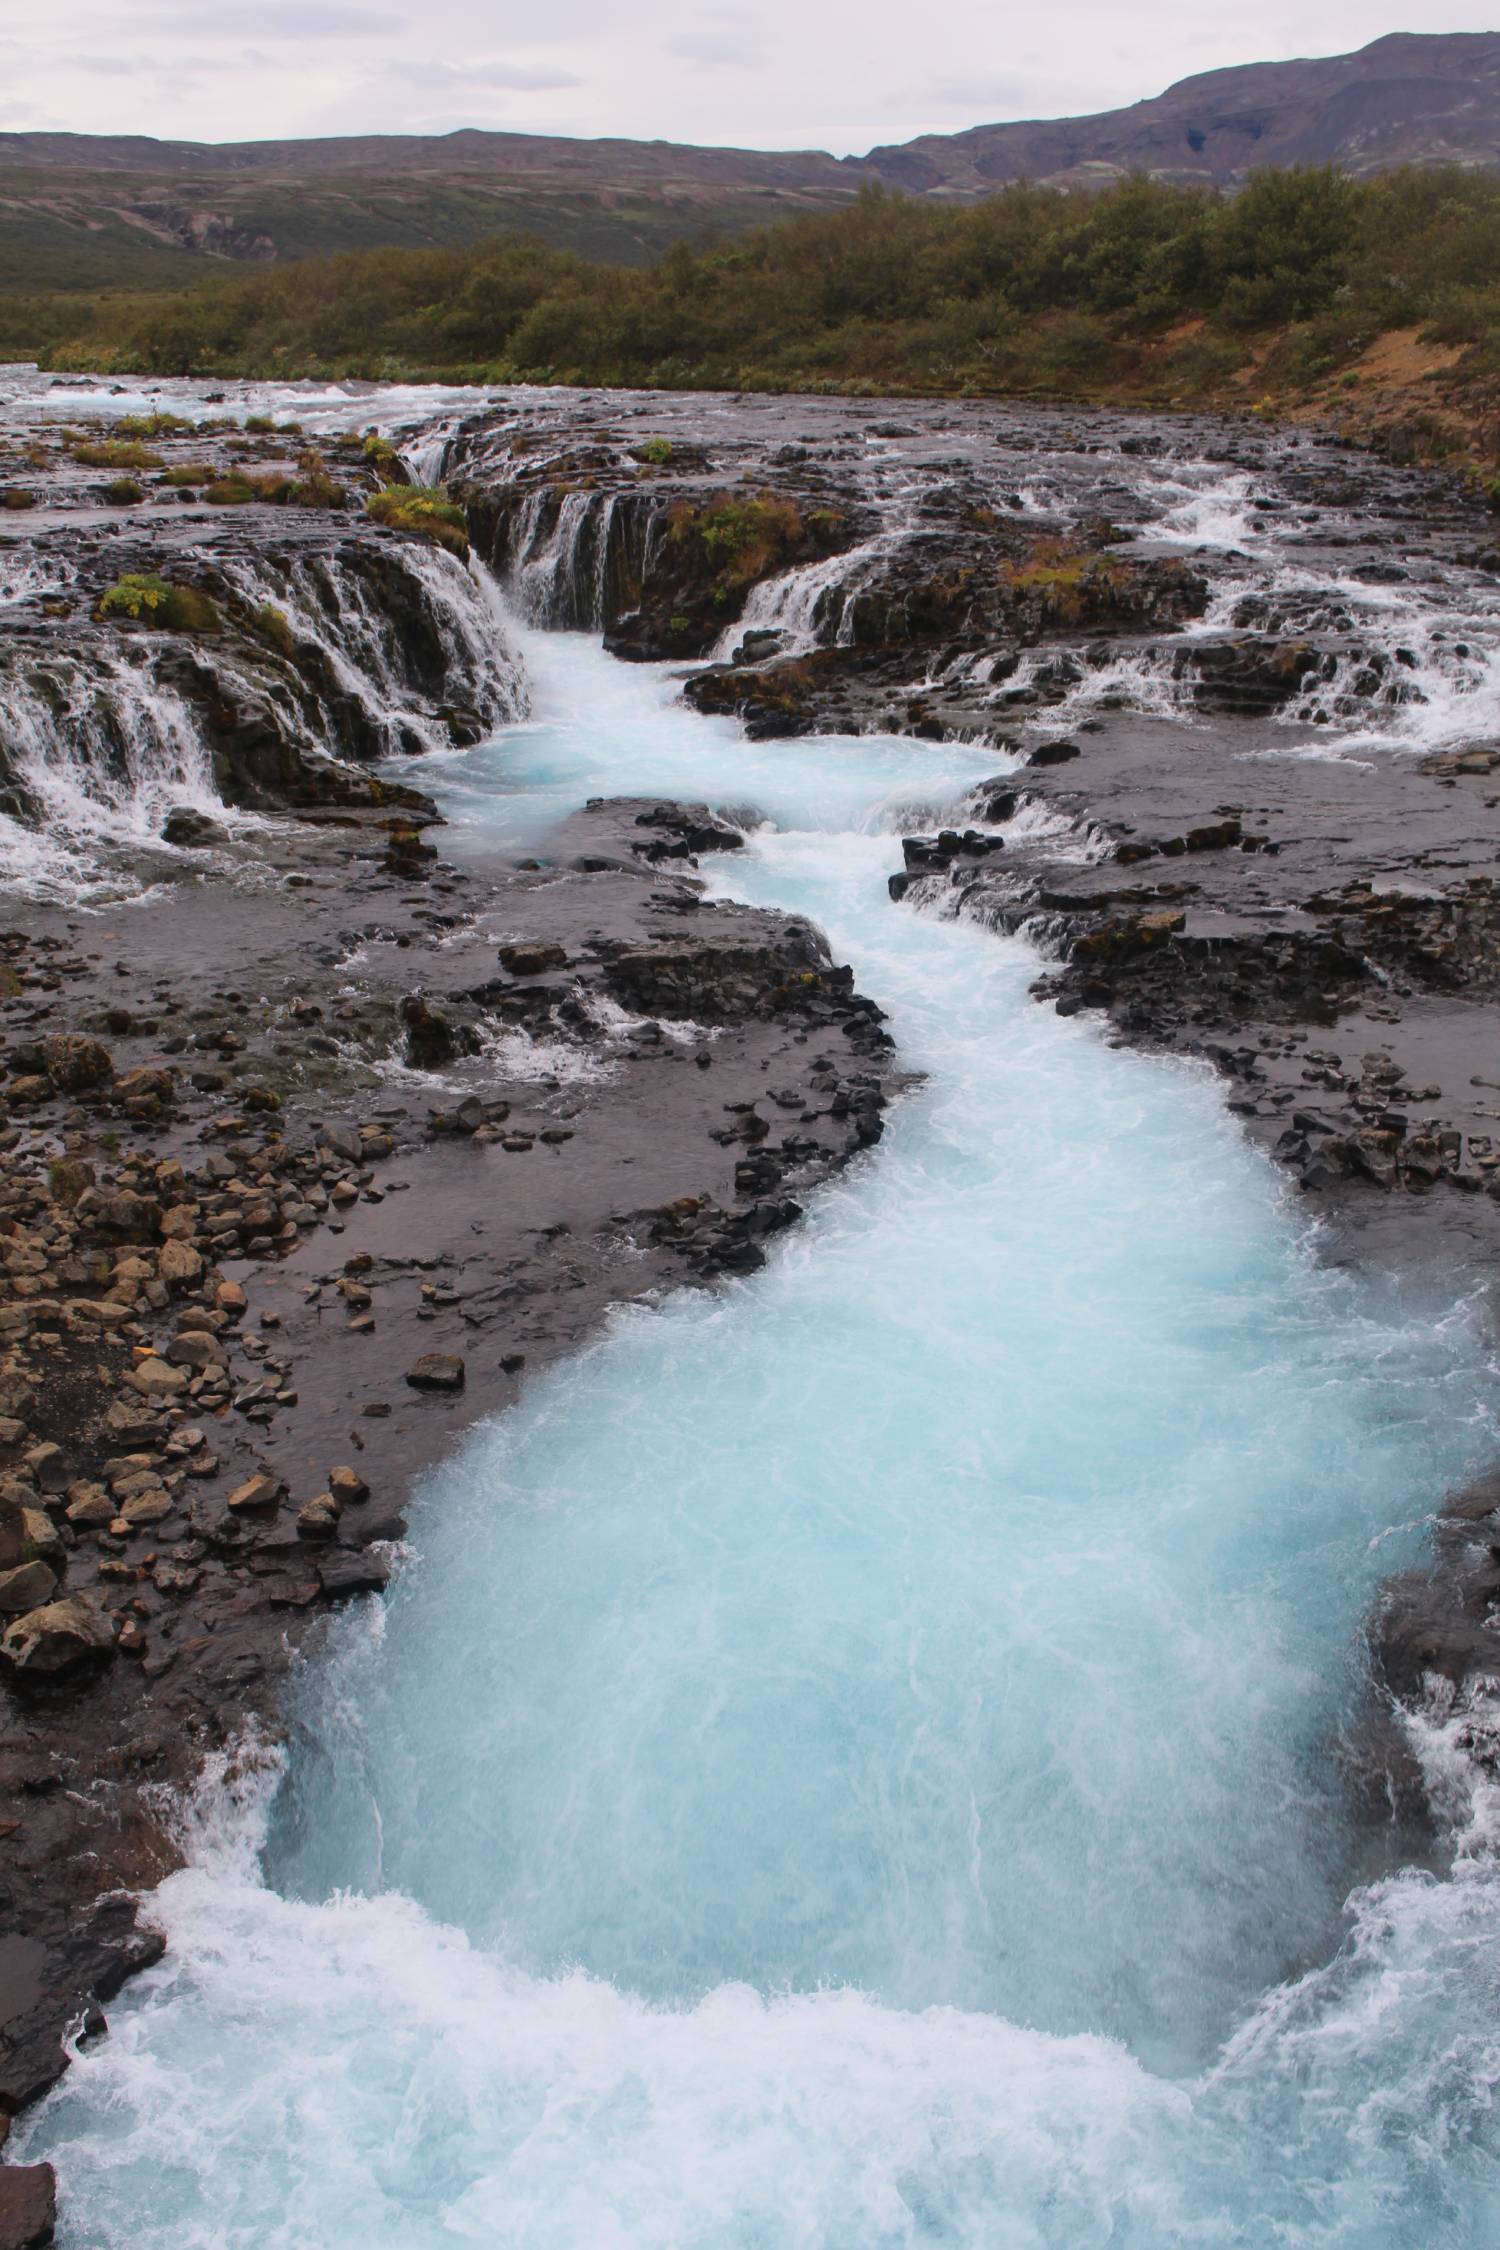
(115, 453)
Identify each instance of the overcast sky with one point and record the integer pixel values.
(835, 74)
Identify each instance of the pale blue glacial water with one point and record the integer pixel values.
(851, 1761)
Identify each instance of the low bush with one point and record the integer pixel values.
(141, 598)
(425, 510)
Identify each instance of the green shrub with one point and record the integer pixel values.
(657, 450)
(742, 539)
(123, 493)
(184, 475)
(141, 598)
(13, 496)
(259, 425)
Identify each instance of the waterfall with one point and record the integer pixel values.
(379, 650)
(558, 556)
(98, 749)
(373, 655)
(812, 606)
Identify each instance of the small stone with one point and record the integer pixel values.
(259, 1491)
(49, 1468)
(89, 1506)
(437, 1371)
(318, 1518)
(347, 1486)
(531, 959)
(231, 1298)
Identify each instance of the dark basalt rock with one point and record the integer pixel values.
(28, 2206)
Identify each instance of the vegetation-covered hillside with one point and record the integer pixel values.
(1166, 294)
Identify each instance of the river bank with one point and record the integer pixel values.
(1322, 936)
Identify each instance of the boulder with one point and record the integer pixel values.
(196, 1348)
(47, 1466)
(74, 1063)
(186, 827)
(58, 1635)
(437, 1371)
(531, 959)
(343, 1573)
(28, 2206)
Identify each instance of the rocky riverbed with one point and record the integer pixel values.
(321, 1135)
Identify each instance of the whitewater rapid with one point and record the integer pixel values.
(855, 1760)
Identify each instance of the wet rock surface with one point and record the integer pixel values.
(299, 1181)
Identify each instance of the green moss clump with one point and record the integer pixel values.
(141, 598)
(425, 510)
(116, 453)
(14, 496)
(272, 625)
(259, 425)
(657, 450)
(185, 475)
(123, 493)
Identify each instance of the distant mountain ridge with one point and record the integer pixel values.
(1410, 98)
(87, 211)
